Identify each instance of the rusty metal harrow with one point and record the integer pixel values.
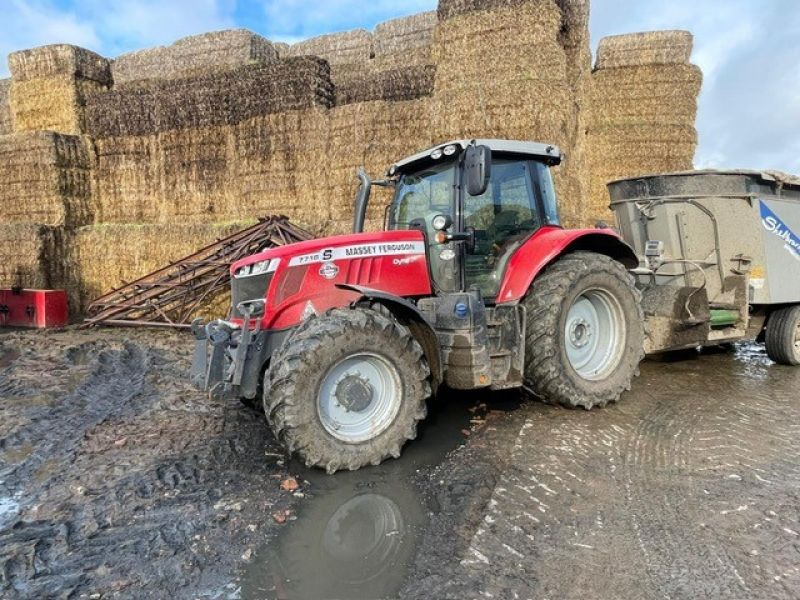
(171, 296)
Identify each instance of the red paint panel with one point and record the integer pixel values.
(542, 248)
(33, 308)
(392, 261)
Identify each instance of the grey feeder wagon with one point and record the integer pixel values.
(719, 257)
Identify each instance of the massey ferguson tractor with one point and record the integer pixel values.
(474, 284)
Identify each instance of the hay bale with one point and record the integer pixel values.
(45, 179)
(52, 104)
(346, 47)
(6, 121)
(404, 34)
(50, 86)
(223, 98)
(56, 60)
(127, 179)
(26, 252)
(281, 48)
(215, 51)
(397, 84)
(645, 48)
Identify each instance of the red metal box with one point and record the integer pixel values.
(33, 308)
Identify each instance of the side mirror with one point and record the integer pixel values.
(478, 169)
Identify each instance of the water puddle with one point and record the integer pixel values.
(356, 537)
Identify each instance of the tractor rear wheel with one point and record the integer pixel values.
(584, 331)
(782, 337)
(347, 389)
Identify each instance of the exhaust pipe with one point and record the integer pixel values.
(362, 199)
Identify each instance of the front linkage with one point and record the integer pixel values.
(228, 357)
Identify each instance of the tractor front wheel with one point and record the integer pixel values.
(347, 389)
(584, 331)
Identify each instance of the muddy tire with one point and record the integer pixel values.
(584, 332)
(347, 389)
(782, 337)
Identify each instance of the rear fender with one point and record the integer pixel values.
(410, 316)
(547, 245)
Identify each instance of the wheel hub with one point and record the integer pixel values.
(580, 332)
(359, 397)
(354, 393)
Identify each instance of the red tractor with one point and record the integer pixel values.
(473, 284)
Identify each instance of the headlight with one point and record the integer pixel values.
(450, 150)
(257, 268)
(436, 154)
(440, 222)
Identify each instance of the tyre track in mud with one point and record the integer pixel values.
(134, 484)
(689, 487)
(116, 377)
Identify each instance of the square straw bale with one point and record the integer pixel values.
(193, 55)
(46, 179)
(347, 47)
(644, 48)
(404, 34)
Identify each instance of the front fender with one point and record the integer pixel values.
(409, 315)
(549, 243)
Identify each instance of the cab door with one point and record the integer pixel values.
(500, 219)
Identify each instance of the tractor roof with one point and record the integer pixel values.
(548, 152)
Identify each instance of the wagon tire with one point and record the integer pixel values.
(782, 337)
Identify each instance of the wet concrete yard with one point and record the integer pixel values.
(119, 480)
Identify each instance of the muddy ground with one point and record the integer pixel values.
(117, 480)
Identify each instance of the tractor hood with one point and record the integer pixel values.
(314, 276)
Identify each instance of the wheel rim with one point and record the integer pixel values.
(359, 397)
(595, 334)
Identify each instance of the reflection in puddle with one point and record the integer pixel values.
(357, 535)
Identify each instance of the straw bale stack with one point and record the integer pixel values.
(506, 72)
(347, 47)
(643, 108)
(225, 98)
(44, 179)
(26, 252)
(196, 54)
(404, 34)
(6, 121)
(51, 85)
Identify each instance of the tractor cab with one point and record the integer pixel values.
(476, 202)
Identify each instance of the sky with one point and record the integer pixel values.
(749, 50)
